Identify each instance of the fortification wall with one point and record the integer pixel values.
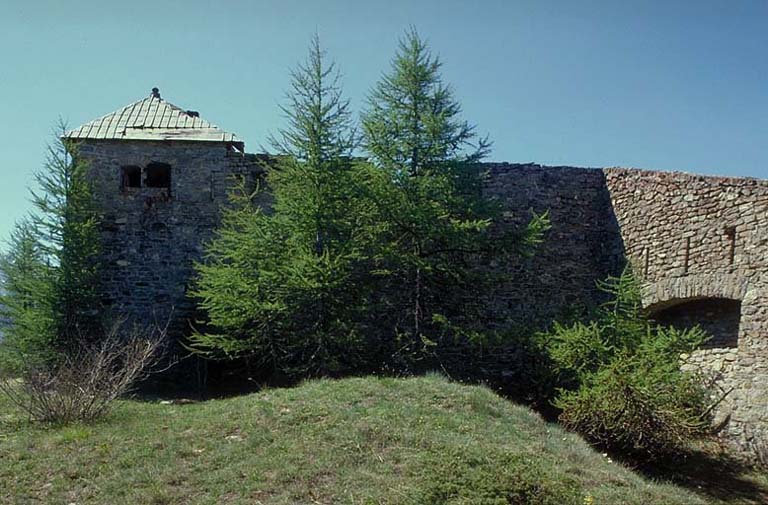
(582, 247)
(701, 245)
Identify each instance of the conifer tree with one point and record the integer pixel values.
(412, 123)
(278, 285)
(26, 301)
(619, 378)
(67, 223)
(437, 222)
(51, 274)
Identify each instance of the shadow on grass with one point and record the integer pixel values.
(712, 474)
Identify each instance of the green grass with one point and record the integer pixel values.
(353, 441)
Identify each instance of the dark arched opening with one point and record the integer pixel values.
(719, 317)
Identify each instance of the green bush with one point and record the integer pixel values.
(621, 384)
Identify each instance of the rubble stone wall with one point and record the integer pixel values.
(582, 247)
(699, 243)
(701, 246)
(152, 236)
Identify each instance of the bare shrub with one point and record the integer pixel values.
(83, 382)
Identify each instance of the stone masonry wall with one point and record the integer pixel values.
(719, 317)
(152, 236)
(582, 247)
(701, 245)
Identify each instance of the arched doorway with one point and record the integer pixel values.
(719, 317)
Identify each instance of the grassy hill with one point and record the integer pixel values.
(353, 441)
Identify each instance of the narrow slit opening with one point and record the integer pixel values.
(730, 233)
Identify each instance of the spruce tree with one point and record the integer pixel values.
(438, 225)
(278, 285)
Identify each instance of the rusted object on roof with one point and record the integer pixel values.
(153, 118)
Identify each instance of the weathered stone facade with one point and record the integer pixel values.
(583, 246)
(699, 243)
(152, 235)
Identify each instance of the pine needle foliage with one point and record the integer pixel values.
(358, 264)
(67, 223)
(413, 122)
(27, 301)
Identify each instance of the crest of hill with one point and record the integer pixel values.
(364, 440)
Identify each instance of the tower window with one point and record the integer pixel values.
(158, 175)
(130, 176)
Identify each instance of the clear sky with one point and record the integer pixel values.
(668, 84)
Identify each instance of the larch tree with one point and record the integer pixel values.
(438, 224)
(279, 285)
(67, 222)
(51, 273)
(26, 301)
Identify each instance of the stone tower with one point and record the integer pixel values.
(160, 174)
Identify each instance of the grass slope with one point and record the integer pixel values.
(355, 441)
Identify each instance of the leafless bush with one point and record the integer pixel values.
(83, 383)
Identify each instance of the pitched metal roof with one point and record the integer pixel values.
(153, 118)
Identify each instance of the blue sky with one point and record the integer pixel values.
(670, 85)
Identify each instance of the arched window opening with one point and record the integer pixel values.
(158, 175)
(130, 177)
(719, 317)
